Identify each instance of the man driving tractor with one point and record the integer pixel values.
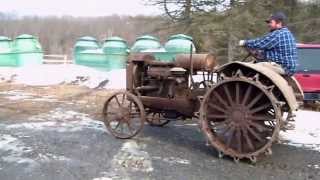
(278, 47)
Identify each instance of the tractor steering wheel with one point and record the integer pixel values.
(255, 53)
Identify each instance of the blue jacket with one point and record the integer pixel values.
(278, 46)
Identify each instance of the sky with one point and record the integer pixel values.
(78, 7)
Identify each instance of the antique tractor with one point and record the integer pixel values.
(241, 106)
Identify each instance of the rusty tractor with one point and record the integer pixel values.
(241, 106)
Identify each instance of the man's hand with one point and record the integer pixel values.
(242, 42)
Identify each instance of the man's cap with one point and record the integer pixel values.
(278, 16)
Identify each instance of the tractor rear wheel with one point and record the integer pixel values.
(240, 117)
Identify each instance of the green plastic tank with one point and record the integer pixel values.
(115, 45)
(144, 43)
(116, 50)
(178, 44)
(85, 43)
(5, 44)
(161, 54)
(7, 57)
(93, 58)
(27, 43)
(28, 50)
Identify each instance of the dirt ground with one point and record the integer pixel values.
(82, 99)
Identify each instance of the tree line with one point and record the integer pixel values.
(58, 35)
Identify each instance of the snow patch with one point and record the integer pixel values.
(59, 120)
(314, 166)
(187, 124)
(117, 79)
(48, 157)
(306, 133)
(12, 150)
(131, 157)
(172, 160)
(102, 178)
(176, 160)
(110, 176)
(21, 95)
(45, 75)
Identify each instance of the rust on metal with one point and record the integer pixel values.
(201, 62)
(181, 105)
(241, 113)
(159, 72)
(279, 81)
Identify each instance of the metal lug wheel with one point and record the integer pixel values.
(240, 117)
(124, 115)
(157, 119)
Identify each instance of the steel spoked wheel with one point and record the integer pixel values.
(240, 118)
(157, 119)
(124, 115)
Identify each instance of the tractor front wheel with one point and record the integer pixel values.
(123, 115)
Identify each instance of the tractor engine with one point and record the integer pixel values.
(167, 81)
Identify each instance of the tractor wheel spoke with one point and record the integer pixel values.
(247, 93)
(261, 118)
(217, 116)
(220, 99)
(230, 137)
(237, 93)
(213, 106)
(118, 102)
(226, 89)
(258, 126)
(259, 108)
(255, 100)
(248, 140)
(255, 134)
(123, 99)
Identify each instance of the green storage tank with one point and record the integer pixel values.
(85, 43)
(144, 43)
(116, 50)
(5, 44)
(87, 50)
(161, 54)
(28, 50)
(115, 45)
(7, 57)
(178, 44)
(93, 58)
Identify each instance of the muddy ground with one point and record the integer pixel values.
(55, 132)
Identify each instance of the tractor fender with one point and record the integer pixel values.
(286, 90)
